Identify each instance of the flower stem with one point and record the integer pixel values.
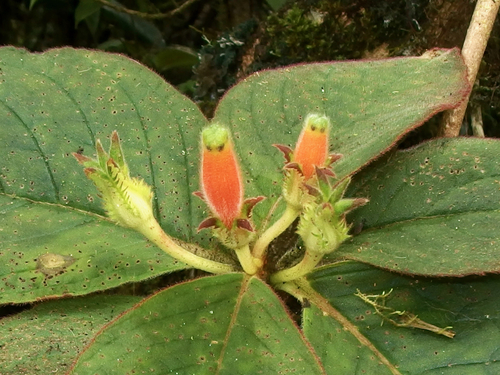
(155, 233)
(288, 217)
(302, 268)
(246, 260)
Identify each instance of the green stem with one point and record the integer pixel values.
(288, 217)
(246, 260)
(293, 195)
(156, 234)
(302, 268)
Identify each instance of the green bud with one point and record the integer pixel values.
(321, 229)
(127, 200)
(116, 153)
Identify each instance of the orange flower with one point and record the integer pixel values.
(312, 147)
(221, 183)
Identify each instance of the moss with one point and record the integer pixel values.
(337, 30)
(219, 62)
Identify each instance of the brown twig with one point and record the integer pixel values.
(156, 16)
(476, 121)
(472, 52)
(302, 290)
(403, 318)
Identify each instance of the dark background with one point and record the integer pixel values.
(207, 46)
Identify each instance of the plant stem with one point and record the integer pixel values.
(156, 234)
(121, 8)
(472, 52)
(288, 217)
(302, 268)
(246, 260)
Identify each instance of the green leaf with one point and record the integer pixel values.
(96, 254)
(60, 102)
(229, 324)
(77, 96)
(371, 104)
(433, 210)
(469, 305)
(63, 100)
(32, 4)
(88, 9)
(138, 28)
(175, 57)
(55, 331)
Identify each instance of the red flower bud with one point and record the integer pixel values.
(312, 147)
(221, 182)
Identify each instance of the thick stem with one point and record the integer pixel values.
(288, 217)
(302, 268)
(246, 260)
(156, 234)
(472, 52)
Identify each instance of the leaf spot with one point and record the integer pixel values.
(51, 264)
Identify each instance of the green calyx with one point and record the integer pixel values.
(321, 229)
(127, 200)
(322, 224)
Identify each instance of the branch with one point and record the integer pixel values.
(155, 16)
(472, 52)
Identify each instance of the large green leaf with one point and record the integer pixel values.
(50, 250)
(59, 102)
(434, 210)
(228, 324)
(371, 104)
(47, 338)
(469, 305)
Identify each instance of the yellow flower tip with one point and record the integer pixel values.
(317, 123)
(215, 137)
